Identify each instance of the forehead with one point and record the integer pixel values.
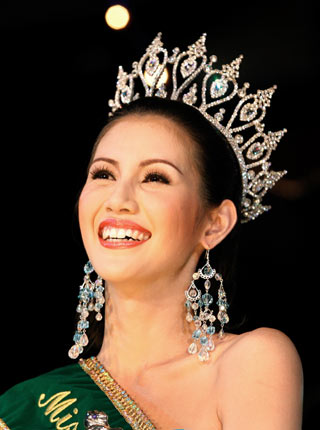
(146, 135)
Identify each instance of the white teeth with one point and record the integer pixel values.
(105, 233)
(122, 233)
(113, 232)
(129, 232)
(135, 234)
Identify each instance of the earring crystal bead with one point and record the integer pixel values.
(202, 314)
(90, 298)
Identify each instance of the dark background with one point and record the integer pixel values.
(59, 64)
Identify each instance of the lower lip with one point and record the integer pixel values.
(121, 244)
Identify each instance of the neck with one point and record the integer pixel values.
(145, 325)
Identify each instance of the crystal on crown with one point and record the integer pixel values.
(217, 88)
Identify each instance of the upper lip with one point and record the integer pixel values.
(121, 223)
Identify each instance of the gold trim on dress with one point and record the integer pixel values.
(117, 395)
(3, 425)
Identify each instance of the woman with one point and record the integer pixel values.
(168, 183)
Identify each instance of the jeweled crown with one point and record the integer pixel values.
(217, 88)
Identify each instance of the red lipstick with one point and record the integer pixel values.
(123, 224)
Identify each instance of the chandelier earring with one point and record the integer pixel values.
(200, 314)
(91, 298)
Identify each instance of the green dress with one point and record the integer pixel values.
(79, 396)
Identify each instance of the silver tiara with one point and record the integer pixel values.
(250, 143)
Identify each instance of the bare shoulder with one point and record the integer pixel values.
(261, 369)
(264, 348)
(262, 336)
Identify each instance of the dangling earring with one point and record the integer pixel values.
(90, 298)
(203, 321)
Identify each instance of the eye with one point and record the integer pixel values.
(156, 177)
(151, 176)
(100, 173)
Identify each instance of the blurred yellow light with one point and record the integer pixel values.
(117, 17)
(163, 78)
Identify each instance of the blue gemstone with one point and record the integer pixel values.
(204, 340)
(188, 304)
(211, 330)
(207, 270)
(88, 268)
(83, 324)
(207, 299)
(222, 302)
(77, 336)
(196, 334)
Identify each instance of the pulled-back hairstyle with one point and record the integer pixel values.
(219, 173)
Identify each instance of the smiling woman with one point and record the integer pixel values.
(193, 162)
(161, 210)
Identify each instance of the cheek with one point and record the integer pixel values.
(85, 211)
(178, 217)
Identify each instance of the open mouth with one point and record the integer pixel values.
(108, 233)
(115, 237)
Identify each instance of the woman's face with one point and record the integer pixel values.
(161, 198)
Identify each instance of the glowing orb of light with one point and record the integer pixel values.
(117, 17)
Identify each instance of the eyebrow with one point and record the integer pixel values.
(142, 164)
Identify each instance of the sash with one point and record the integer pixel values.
(79, 396)
(116, 394)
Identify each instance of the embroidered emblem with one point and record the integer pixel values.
(56, 405)
(96, 420)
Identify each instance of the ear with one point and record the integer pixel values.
(220, 221)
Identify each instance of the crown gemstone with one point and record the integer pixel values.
(188, 67)
(246, 202)
(190, 98)
(248, 112)
(257, 187)
(125, 94)
(152, 65)
(219, 87)
(255, 151)
(162, 91)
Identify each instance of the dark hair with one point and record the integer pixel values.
(218, 167)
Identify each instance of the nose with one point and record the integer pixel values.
(121, 199)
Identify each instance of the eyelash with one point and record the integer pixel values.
(97, 173)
